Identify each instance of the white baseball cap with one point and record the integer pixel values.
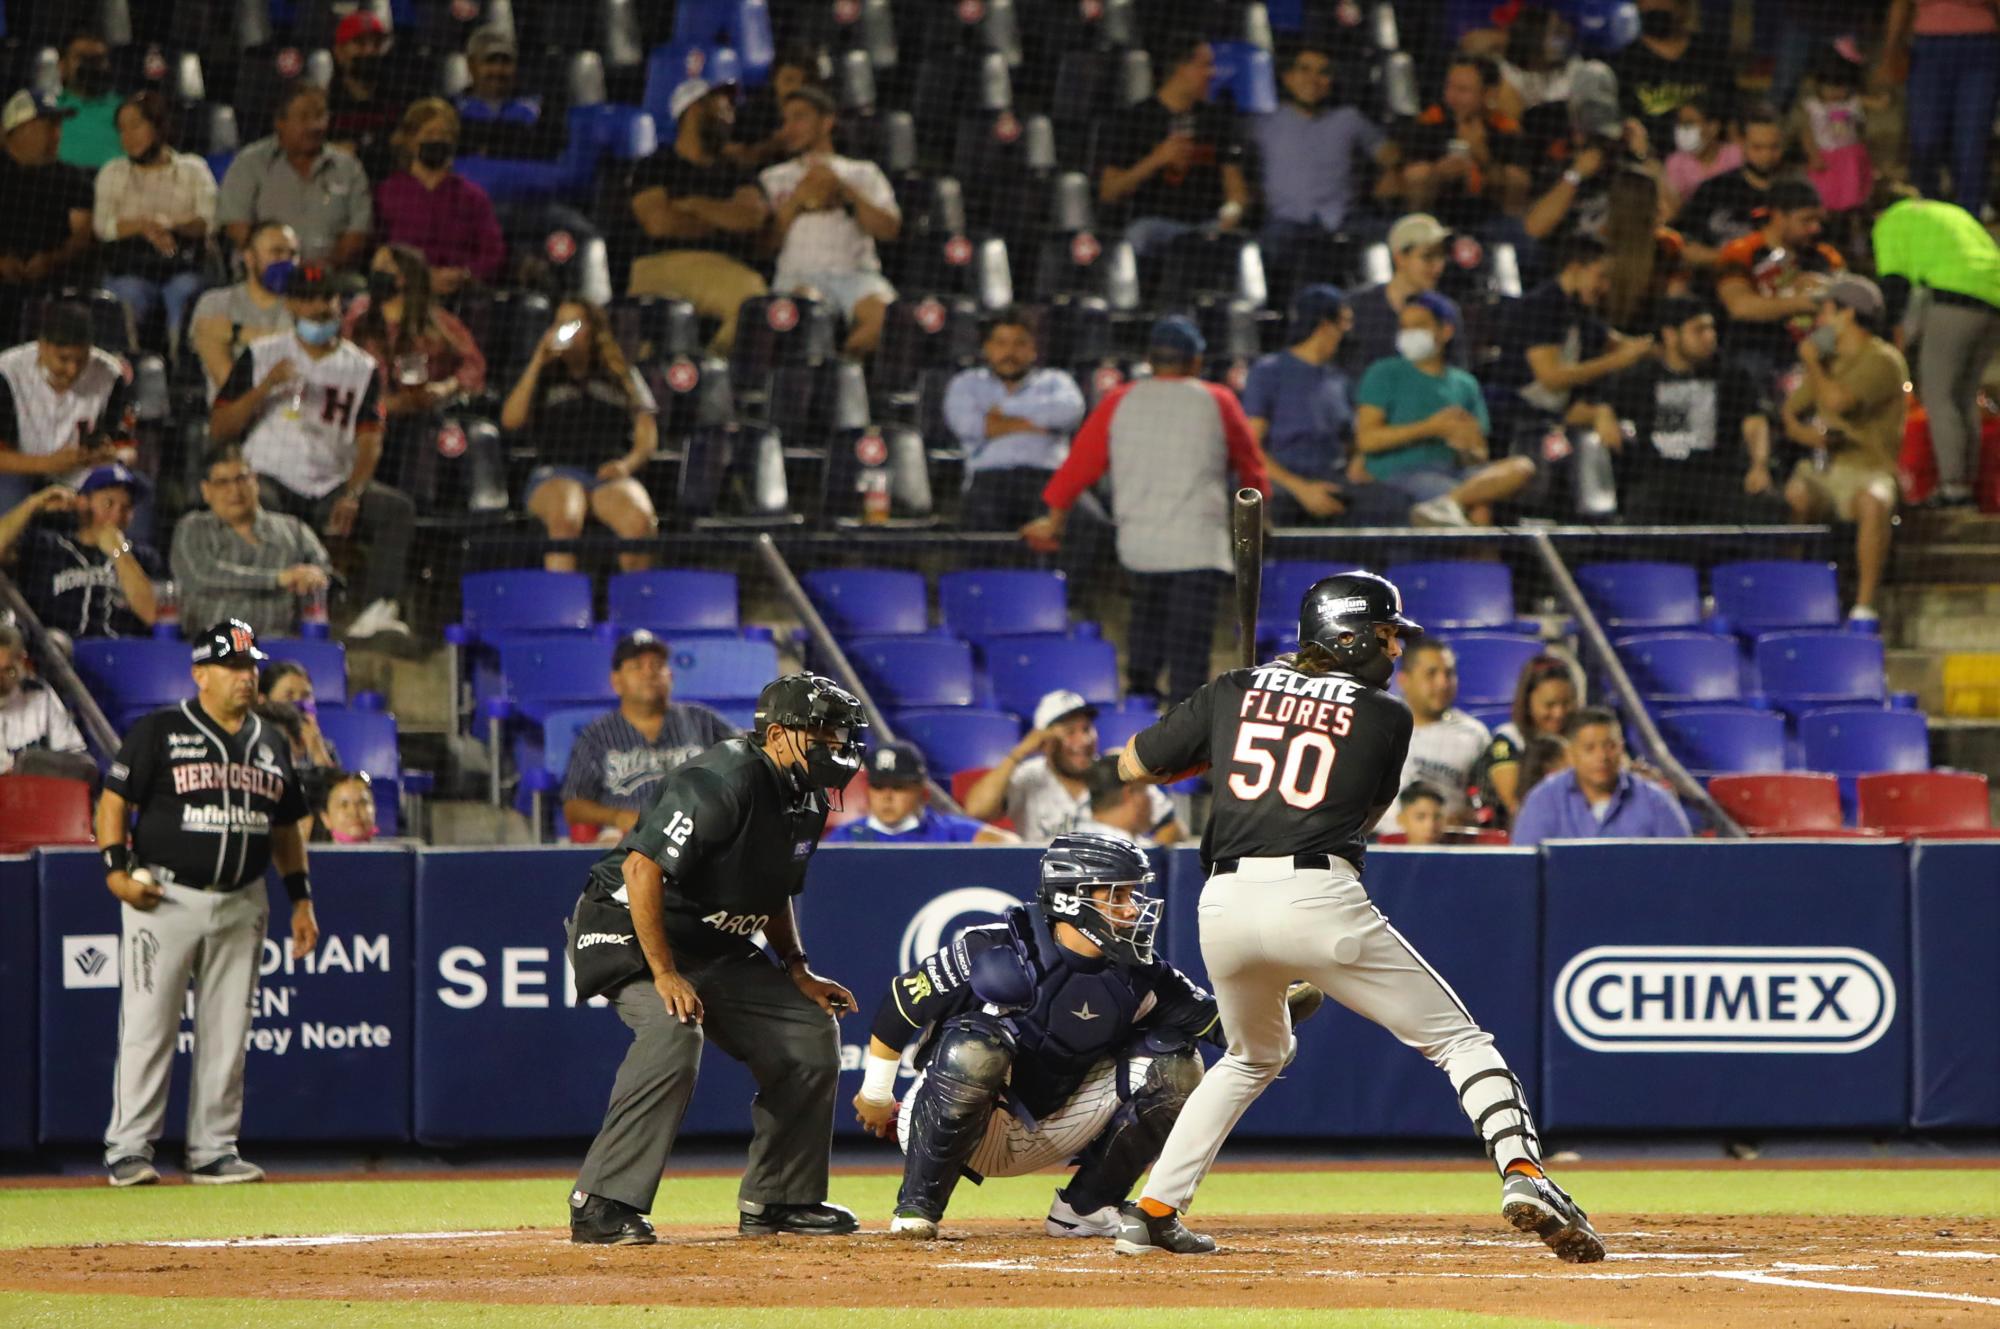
(691, 91)
(1060, 705)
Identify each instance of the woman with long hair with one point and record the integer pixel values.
(1545, 696)
(594, 424)
(154, 209)
(428, 357)
(1645, 256)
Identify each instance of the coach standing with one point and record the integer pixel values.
(1168, 441)
(665, 929)
(216, 802)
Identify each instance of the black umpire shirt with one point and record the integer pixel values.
(1301, 761)
(733, 837)
(207, 798)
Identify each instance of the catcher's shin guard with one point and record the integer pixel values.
(1113, 1162)
(1498, 1107)
(950, 1109)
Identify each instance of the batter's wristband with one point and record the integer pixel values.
(878, 1078)
(117, 858)
(298, 886)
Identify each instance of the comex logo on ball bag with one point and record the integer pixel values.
(1833, 999)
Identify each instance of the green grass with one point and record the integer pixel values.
(27, 1311)
(61, 1217)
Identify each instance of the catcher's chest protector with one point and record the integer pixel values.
(1083, 1008)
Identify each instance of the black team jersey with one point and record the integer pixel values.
(1303, 763)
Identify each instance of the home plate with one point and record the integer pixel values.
(330, 1239)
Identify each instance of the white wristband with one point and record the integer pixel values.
(1229, 213)
(878, 1078)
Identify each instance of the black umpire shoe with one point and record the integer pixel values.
(1139, 1233)
(598, 1221)
(806, 1220)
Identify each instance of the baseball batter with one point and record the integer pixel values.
(1052, 1036)
(216, 801)
(1307, 752)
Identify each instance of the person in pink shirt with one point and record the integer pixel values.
(1702, 147)
(433, 209)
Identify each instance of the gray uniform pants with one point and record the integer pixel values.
(1270, 923)
(217, 939)
(753, 1012)
(1955, 344)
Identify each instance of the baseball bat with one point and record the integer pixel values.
(1247, 543)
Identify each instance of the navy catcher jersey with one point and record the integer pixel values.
(1085, 1008)
(1303, 763)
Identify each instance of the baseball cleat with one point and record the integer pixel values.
(1140, 1233)
(1533, 1203)
(805, 1220)
(132, 1171)
(595, 1220)
(228, 1170)
(913, 1226)
(1065, 1221)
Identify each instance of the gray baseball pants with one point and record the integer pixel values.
(753, 1012)
(1268, 924)
(215, 938)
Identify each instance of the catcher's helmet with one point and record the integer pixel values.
(1076, 863)
(1339, 615)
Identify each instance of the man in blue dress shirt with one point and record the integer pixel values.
(1598, 797)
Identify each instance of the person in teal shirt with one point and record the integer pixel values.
(1422, 426)
(90, 139)
(1940, 274)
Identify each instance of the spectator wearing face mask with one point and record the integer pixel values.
(1727, 207)
(348, 810)
(287, 683)
(433, 209)
(1702, 148)
(1770, 282)
(1416, 260)
(155, 210)
(899, 810)
(1670, 65)
(427, 357)
(91, 138)
(361, 112)
(229, 318)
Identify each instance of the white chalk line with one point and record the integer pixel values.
(1951, 1255)
(329, 1239)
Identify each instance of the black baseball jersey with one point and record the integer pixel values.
(1303, 763)
(733, 835)
(1085, 1007)
(206, 798)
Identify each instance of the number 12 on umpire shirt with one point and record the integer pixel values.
(1302, 762)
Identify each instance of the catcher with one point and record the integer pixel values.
(1049, 1037)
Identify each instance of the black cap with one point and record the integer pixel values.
(67, 323)
(1676, 311)
(1792, 194)
(305, 280)
(634, 644)
(230, 642)
(896, 764)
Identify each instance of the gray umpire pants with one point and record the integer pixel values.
(753, 1012)
(215, 938)
(1269, 923)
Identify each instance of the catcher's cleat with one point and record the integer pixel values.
(1065, 1220)
(1139, 1233)
(913, 1226)
(1533, 1203)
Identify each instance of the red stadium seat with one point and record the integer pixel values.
(38, 810)
(1938, 804)
(1800, 803)
(961, 785)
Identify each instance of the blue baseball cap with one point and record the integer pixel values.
(113, 474)
(1440, 308)
(1177, 334)
(1317, 304)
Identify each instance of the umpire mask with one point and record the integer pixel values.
(1122, 923)
(803, 703)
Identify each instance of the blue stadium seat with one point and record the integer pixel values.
(994, 602)
(549, 673)
(367, 741)
(1489, 663)
(1023, 668)
(1682, 666)
(1809, 670)
(325, 664)
(871, 602)
(1642, 596)
(1714, 740)
(1856, 740)
(914, 671)
(1115, 728)
(132, 675)
(498, 605)
(722, 669)
(672, 602)
(959, 738)
(1759, 597)
(1456, 595)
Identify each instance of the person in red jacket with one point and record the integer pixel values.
(1169, 442)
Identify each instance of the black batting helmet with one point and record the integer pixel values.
(1339, 615)
(1076, 863)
